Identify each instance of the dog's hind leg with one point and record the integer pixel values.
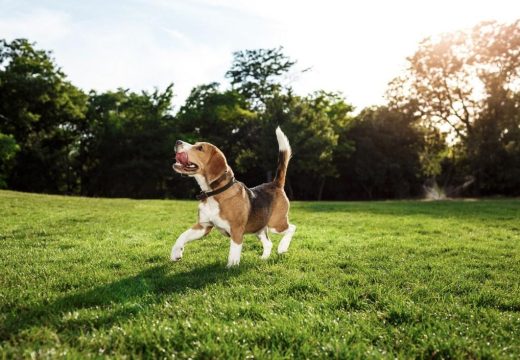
(266, 243)
(196, 232)
(288, 231)
(279, 221)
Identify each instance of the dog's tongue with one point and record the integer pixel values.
(182, 157)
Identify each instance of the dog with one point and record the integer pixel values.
(229, 205)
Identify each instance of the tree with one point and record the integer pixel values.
(386, 161)
(8, 150)
(255, 74)
(314, 129)
(465, 83)
(312, 122)
(495, 151)
(214, 115)
(450, 76)
(41, 110)
(128, 145)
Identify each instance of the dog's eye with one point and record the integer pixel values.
(199, 148)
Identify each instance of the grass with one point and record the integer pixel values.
(91, 278)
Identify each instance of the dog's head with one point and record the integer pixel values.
(200, 158)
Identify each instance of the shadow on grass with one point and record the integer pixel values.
(115, 299)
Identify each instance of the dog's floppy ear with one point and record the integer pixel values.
(217, 166)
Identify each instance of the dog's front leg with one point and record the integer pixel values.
(196, 232)
(235, 248)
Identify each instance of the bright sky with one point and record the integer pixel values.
(355, 47)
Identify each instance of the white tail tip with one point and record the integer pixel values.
(283, 142)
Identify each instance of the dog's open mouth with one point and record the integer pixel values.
(183, 164)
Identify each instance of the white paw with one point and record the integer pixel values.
(267, 251)
(233, 262)
(283, 246)
(286, 240)
(176, 254)
(234, 254)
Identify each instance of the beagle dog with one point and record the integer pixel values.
(230, 206)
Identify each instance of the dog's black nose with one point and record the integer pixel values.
(178, 142)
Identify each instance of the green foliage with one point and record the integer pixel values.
(255, 73)
(434, 151)
(127, 145)
(386, 160)
(219, 117)
(42, 111)
(452, 118)
(313, 124)
(8, 150)
(92, 278)
(467, 82)
(494, 149)
(247, 136)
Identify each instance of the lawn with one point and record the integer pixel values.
(87, 277)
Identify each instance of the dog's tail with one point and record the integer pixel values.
(283, 158)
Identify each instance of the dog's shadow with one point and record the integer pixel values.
(114, 301)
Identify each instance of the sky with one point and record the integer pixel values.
(355, 47)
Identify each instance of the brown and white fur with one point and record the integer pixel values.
(238, 210)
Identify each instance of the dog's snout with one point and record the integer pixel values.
(178, 145)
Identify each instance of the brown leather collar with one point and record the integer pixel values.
(204, 195)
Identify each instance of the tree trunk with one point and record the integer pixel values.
(368, 191)
(320, 188)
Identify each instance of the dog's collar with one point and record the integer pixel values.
(206, 194)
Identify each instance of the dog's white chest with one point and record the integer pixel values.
(209, 212)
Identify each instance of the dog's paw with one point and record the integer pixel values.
(267, 251)
(176, 254)
(232, 263)
(286, 240)
(283, 247)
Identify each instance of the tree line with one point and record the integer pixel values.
(451, 123)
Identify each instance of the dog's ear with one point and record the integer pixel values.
(217, 166)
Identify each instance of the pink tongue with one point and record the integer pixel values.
(182, 157)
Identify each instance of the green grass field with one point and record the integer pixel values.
(92, 277)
